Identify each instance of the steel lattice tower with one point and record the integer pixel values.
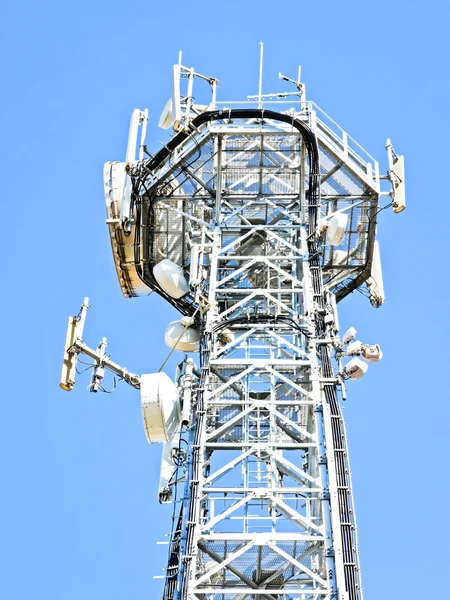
(248, 202)
(262, 502)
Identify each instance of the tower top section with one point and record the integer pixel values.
(227, 156)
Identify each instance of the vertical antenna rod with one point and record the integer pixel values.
(261, 58)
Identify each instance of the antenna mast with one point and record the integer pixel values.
(261, 60)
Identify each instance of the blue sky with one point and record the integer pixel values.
(79, 514)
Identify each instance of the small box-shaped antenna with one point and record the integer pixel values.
(74, 333)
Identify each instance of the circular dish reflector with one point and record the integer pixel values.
(171, 278)
(166, 118)
(161, 411)
(336, 228)
(179, 337)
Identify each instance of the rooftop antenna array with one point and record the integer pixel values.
(254, 221)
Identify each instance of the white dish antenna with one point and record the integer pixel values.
(161, 411)
(336, 228)
(171, 278)
(180, 336)
(166, 118)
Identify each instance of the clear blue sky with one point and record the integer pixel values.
(79, 513)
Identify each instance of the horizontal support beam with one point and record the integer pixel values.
(260, 362)
(237, 290)
(262, 539)
(232, 445)
(262, 403)
(261, 592)
(260, 129)
(287, 257)
(278, 490)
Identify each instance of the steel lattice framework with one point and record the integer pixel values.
(254, 224)
(267, 509)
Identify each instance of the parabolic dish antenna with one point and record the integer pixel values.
(166, 118)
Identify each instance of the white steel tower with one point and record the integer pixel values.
(254, 221)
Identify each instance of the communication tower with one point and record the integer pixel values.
(254, 221)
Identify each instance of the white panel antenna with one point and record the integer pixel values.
(398, 170)
(133, 135)
(74, 334)
(375, 282)
(138, 119)
(177, 111)
(122, 246)
(176, 97)
(397, 177)
(75, 346)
